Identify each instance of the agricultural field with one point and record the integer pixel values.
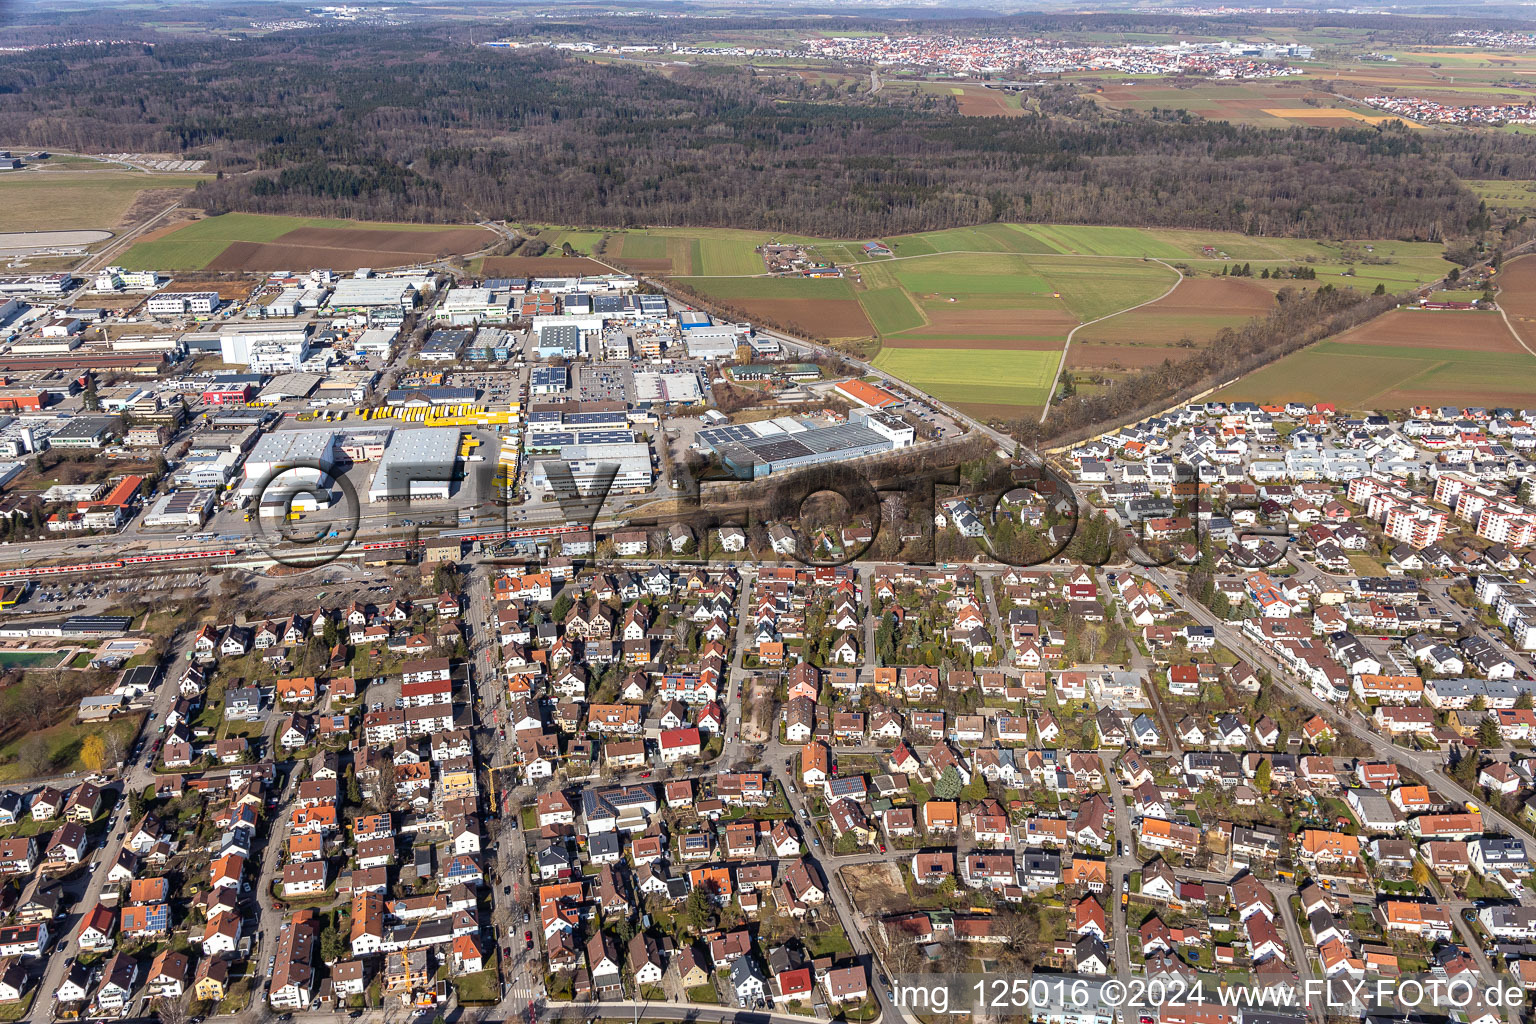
(66, 200)
(1505, 195)
(1166, 329)
(824, 307)
(1517, 298)
(947, 302)
(1280, 103)
(678, 252)
(1405, 358)
(1454, 76)
(973, 100)
(247, 241)
(984, 382)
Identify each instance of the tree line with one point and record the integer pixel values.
(412, 124)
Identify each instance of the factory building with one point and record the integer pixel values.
(558, 341)
(417, 464)
(275, 347)
(752, 450)
(715, 341)
(111, 279)
(554, 417)
(361, 294)
(464, 306)
(302, 458)
(180, 509)
(668, 388)
(590, 466)
(377, 341)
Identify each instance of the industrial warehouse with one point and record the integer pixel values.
(752, 450)
(295, 395)
(416, 464)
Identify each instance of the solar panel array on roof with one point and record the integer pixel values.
(96, 624)
(756, 455)
(777, 449)
(716, 436)
(838, 437)
(562, 438)
(596, 417)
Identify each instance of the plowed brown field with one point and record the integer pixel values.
(349, 249)
(828, 318)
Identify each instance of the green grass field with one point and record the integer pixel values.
(974, 376)
(1103, 241)
(1095, 288)
(775, 287)
(890, 311)
(77, 200)
(727, 256)
(1392, 377)
(990, 276)
(642, 246)
(1505, 195)
(581, 241)
(200, 242)
(64, 742)
(706, 252)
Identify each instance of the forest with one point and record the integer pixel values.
(414, 124)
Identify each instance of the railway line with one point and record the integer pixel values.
(253, 551)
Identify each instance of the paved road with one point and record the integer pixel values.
(666, 1011)
(136, 775)
(1427, 764)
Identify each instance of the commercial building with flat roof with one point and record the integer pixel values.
(557, 341)
(290, 385)
(668, 388)
(377, 341)
(300, 457)
(418, 397)
(85, 432)
(752, 453)
(714, 341)
(591, 466)
(416, 464)
(36, 284)
(178, 303)
(361, 293)
(468, 305)
(184, 508)
(548, 380)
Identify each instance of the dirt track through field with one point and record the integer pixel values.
(1517, 300)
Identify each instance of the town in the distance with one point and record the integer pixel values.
(517, 512)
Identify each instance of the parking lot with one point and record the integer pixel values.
(496, 387)
(605, 382)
